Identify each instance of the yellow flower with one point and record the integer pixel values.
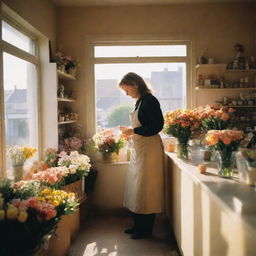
(12, 212)
(2, 215)
(23, 215)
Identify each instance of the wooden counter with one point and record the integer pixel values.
(210, 215)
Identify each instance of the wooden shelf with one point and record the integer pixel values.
(67, 122)
(66, 100)
(227, 89)
(65, 76)
(220, 65)
(240, 70)
(239, 106)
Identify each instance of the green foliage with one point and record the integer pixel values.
(120, 115)
(183, 134)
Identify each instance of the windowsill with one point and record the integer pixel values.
(116, 163)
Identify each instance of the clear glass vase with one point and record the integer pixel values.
(225, 160)
(17, 172)
(182, 150)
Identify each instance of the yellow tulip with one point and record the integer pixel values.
(22, 216)
(2, 215)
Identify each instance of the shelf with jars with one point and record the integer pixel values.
(217, 76)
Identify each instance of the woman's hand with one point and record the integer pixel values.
(126, 130)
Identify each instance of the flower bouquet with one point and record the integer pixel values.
(215, 117)
(18, 156)
(181, 124)
(53, 177)
(225, 142)
(65, 63)
(108, 143)
(27, 219)
(78, 165)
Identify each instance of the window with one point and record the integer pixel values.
(20, 91)
(166, 76)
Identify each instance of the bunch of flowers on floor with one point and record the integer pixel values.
(215, 117)
(181, 124)
(108, 141)
(29, 215)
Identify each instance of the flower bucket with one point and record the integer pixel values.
(75, 187)
(111, 157)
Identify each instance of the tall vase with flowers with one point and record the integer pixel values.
(225, 142)
(181, 124)
(18, 156)
(108, 143)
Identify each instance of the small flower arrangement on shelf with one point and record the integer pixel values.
(108, 142)
(215, 117)
(181, 124)
(29, 215)
(66, 64)
(225, 142)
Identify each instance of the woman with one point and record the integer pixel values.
(144, 187)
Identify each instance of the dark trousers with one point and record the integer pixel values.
(143, 223)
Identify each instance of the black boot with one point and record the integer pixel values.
(133, 229)
(145, 224)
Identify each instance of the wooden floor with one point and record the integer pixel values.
(103, 235)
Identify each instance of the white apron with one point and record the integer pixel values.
(144, 184)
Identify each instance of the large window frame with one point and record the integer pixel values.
(5, 47)
(163, 40)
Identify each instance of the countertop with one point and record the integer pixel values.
(236, 198)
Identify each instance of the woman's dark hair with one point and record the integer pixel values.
(134, 79)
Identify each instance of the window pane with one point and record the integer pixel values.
(141, 51)
(168, 81)
(20, 104)
(18, 39)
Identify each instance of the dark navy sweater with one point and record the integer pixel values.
(150, 116)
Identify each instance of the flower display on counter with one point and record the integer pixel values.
(108, 141)
(29, 215)
(215, 117)
(225, 142)
(19, 155)
(181, 124)
(224, 139)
